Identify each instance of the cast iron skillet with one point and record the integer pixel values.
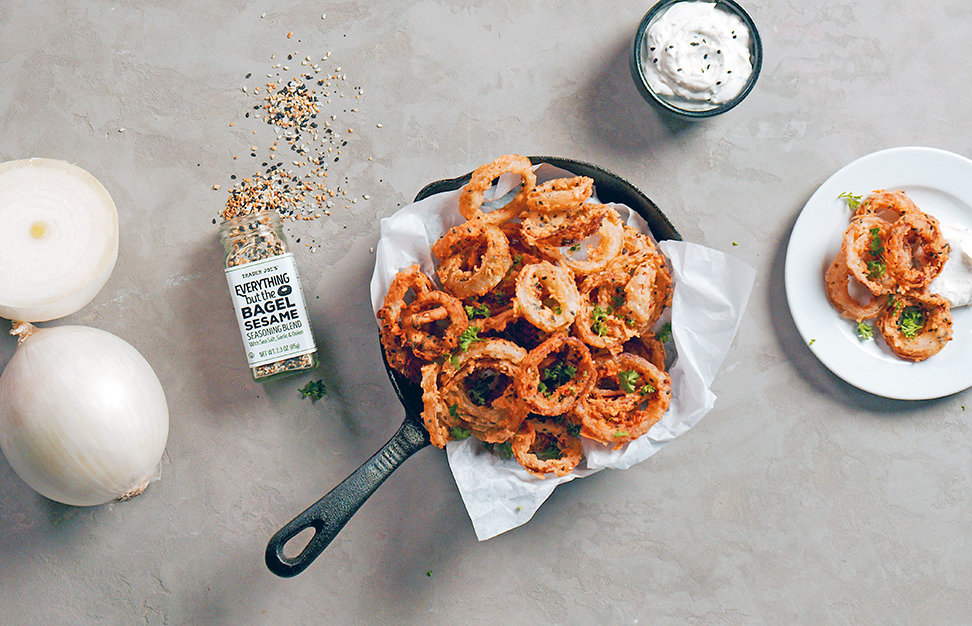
(328, 515)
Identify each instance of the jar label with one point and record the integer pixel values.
(270, 309)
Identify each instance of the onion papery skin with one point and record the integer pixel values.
(58, 239)
(83, 417)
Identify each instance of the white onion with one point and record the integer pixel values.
(58, 239)
(83, 418)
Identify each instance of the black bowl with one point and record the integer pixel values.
(682, 108)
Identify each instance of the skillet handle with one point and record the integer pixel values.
(328, 515)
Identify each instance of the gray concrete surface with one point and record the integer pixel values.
(798, 499)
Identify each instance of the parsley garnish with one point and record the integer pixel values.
(876, 269)
(454, 410)
(664, 333)
(865, 331)
(599, 314)
(460, 433)
(472, 312)
(555, 376)
(468, 337)
(479, 390)
(877, 247)
(549, 453)
(314, 390)
(911, 321)
(853, 201)
(620, 433)
(504, 450)
(627, 380)
(894, 303)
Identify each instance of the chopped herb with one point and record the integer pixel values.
(575, 247)
(894, 303)
(664, 333)
(811, 342)
(517, 259)
(478, 392)
(454, 410)
(876, 269)
(460, 433)
(646, 389)
(472, 312)
(556, 375)
(620, 433)
(599, 314)
(314, 390)
(877, 246)
(468, 337)
(627, 380)
(853, 201)
(911, 321)
(429, 573)
(549, 453)
(504, 450)
(865, 331)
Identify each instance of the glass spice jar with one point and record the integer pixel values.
(266, 293)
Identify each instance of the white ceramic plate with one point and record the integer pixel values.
(940, 183)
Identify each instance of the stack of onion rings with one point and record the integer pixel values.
(890, 253)
(541, 329)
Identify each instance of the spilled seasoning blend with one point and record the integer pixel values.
(266, 293)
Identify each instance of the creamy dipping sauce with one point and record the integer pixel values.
(698, 52)
(955, 282)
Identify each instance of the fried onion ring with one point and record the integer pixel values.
(594, 257)
(481, 391)
(435, 415)
(410, 280)
(546, 296)
(917, 250)
(471, 196)
(864, 246)
(649, 348)
(563, 228)
(474, 257)
(888, 205)
(603, 321)
(648, 292)
(559, 194)
(838, 279)
(916, 326)
(629, 396)
(555, 375)
(420, 321)
(560, 450)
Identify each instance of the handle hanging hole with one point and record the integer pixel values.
(298, 543)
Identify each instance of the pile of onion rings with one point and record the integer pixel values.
(539, 327)
(890, 253)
